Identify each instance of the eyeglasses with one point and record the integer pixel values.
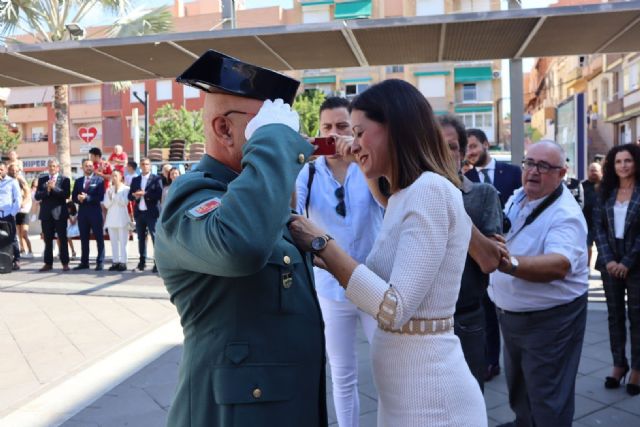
(341, 208)
(542, 166)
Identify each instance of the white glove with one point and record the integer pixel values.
(273, 112)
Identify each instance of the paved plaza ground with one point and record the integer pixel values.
(102, 349)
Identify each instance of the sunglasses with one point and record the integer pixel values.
(341, 208)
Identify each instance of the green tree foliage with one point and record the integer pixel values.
(8, 140)
(170, 124)
(307, 104)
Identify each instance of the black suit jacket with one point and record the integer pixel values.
(152, 194)
(507, 178)
(95, 195)
(53, 204)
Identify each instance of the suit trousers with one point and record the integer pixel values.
(119, 237)
(469, 327)
(145, 222)
(614, 290)
(541, 356)
(51, 228)
(88, 224)
(340, 323)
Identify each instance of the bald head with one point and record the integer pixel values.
(545, 168)
(225, 118)
(595, 172)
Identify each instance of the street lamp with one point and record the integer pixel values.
(76, 31)
(145, 104)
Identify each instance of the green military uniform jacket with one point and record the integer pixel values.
(253, 332)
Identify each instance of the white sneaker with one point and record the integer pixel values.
(27, 255)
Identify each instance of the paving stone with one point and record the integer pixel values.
(586, 406)
(493, 398)
(502, 413)
(630, 404)
(593, 388)
(610, 417)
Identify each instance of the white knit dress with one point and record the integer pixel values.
(422, 380)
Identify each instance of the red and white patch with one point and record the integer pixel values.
(204, 208)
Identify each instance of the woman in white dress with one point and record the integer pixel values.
(117, 220)
(411, 279)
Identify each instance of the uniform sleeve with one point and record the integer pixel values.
(302, 190)
(421, 248)
(237, 237)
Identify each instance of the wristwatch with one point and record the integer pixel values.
(514, 265)
(319, 243)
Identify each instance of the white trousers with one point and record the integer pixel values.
(119, 237)
(340, 322)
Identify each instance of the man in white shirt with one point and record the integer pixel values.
(541, 292)
(334, 193)
(10, 199)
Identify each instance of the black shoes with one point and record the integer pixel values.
(114, 267)
(612, 382)
(81, 267)
(16, 266)
(141, 266)
(155, 269)
(99, 267)
(122, 267)
(118, 266)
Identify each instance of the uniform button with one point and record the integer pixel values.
(257, 393)
(287, 260)
(301, 158)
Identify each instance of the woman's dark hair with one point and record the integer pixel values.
(610, 180)
(169, 180)
(416, 144)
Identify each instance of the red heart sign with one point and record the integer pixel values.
(87, 135)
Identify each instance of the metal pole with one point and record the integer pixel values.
(517, 103)
(145, 104)
(228, 14)
(146, 123)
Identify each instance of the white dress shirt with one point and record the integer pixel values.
(143, 185)
(619, 217)
(356, 232)
(560, 229)
(491, 170)
(10, 197)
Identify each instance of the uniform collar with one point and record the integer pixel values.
(210, 165)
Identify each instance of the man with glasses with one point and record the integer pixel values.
(540, 291)
(254, 346)
(334, 193)
(145, 192)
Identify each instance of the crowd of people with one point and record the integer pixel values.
(99, 204)
(273, 256)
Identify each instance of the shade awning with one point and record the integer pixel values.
(319, 79)
(506, 34)
(474, 109)
(472, 74)
(353, 10)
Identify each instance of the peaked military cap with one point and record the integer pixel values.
(215, 72)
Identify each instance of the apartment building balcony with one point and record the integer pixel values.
(27, 115)
(85, 109)
(614, 108)
(593, 67)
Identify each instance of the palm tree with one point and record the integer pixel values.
(46, 21)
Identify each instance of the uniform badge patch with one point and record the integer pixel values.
(204, 208)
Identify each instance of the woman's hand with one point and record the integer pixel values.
(619, 271)
(611, 268)
(343, 147)
(303, 232)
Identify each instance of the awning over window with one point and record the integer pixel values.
(431, 73)
(473, 74)
(316, 3)
(475, 109)
(353, 10)
(356, 80)
(318, 79)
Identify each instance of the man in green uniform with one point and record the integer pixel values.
(253, 332)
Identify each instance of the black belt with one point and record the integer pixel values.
(531, 313)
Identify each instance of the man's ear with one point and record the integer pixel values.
(222, 130)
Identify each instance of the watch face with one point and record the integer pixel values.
(318, 243)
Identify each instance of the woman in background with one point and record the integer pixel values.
(174, 173)
(616, 222)
(117, 220)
